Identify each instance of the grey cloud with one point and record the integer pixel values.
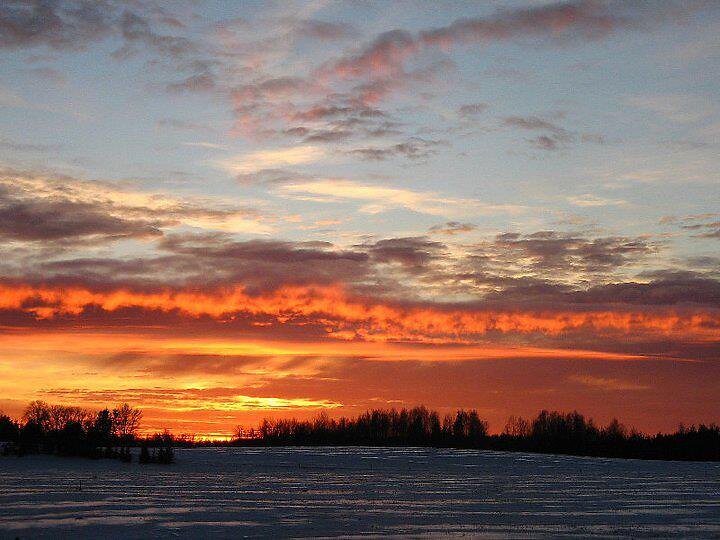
(135, 28)
(203, 82)
(551, 250)
(185, 125)
(701, 225)
(270, 177)
(47, 74)
(27, 147)
(74, 24)
(552, 139)
(61, 211)
(708, 229)
(556, 22)
(586, 19)
(545, 142)
(266, 263)
(668, 288)
(452, 228)
(325, 31)
(471, 110)
(414, 252)
(328, 135)
(330, 111)
(61, 25)
(414, 148)
(552, 136)
(67, 221)
(269, 88)
(533, 123)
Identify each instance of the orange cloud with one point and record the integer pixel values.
(606, 383)
(350, 318)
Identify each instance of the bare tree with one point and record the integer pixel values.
(62, 415)
(517, 427)
(126, 421)
(38, 412)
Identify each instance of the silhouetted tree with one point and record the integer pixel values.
(9, 429)
(126, 421)
(468, 429)
(517, 427)
(550, 431)
(30, 438)
(38, 412)
(100, 434)
(165, 454)
(71, 440)
(144, 453)
(72, 431)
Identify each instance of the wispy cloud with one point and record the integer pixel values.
(589, 200)
(205, 144)
(681, 108)
(271, 159)
(376, 199)
(607, 383)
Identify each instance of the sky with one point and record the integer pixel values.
(225, 211)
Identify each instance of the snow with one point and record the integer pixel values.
(281, 492)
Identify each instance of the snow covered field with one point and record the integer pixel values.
(283, 492)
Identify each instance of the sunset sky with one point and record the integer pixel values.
(224, 211)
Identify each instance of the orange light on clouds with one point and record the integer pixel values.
(207, 382)
(345, 317)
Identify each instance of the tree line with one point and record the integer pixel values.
(75, 431)
(549, 432)
(110, 433)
